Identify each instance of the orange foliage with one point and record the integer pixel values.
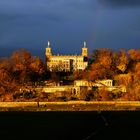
(134, 54)
(80, 75)
(124, 67)
(122, 60)
(105, 95)
(103, 65)
(124, 79)
(36, 65)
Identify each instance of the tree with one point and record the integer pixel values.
(103, 65)
(36, 70)
(80, 75)
(21, 60)
(7, 82)
(36, 65)
(105, 95)
(134, 54)
(134, 57)
(124, 79)
(122, 61)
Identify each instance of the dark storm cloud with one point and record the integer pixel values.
(120, 3)
(67, 23)
(10, 11)
(4, 17)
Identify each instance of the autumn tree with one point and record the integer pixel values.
(7, 82)
(134, 57)
(124, 79)
(21, 60)
(131, 75)
(79, 75)
(37, 69)
(122, 61)
(105, 95)
(103, 64)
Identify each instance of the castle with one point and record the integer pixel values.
(66, 63)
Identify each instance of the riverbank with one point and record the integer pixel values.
(78, 125)
(71, 106)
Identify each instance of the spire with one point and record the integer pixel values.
(85, 44)
(48, 49)
(49, 44)
(85, 49)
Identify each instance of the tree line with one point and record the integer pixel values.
(121, 66)
(22, 69)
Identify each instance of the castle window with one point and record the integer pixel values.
(67, 65)
(85, 59)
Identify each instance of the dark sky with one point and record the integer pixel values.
(30, 24)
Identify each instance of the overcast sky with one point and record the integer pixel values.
(67, 24)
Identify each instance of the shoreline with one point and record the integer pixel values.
(71, 106)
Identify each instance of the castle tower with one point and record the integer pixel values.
(48, 50)
(85, 50)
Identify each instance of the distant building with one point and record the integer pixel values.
(81, 83)
(106, 84)
(66, 62)
(99, 83)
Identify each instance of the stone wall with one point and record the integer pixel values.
(35, 104)
(54, 89)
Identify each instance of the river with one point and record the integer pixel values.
(70, 125)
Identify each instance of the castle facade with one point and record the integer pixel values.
(66, 63)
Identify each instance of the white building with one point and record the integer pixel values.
(66, 62)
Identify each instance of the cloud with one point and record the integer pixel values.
(120, 3)
(7, 18)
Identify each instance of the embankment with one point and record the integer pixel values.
(70, 106)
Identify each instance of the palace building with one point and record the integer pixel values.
(67, 63)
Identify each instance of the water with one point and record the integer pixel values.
(69, 125)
